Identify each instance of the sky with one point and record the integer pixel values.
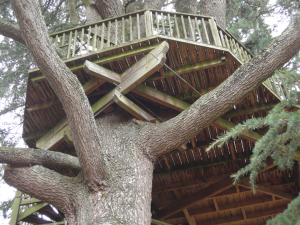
(7, 192)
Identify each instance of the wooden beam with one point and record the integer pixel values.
(104, 60)
(32, 209)
(15, 208)
(174, 103)
(190, 219)
(132, 108)
(30, 201)
(189, 69)
(43, 105)
(136, 74)
(257, 201)
(239, 219)
(270, 191)
(101, 72)
(88, 87)
(244, 111)
(130, 79)
(187, 184)
(205, 193)
(157, 222)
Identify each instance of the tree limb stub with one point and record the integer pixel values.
(164, 137)
(30, 156)
(69, 90)
(44, 184)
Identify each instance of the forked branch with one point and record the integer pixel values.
(175, 132)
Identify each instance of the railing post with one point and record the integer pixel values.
(148, 23)
(214, 31)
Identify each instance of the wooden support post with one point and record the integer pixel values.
(15, 208)
(132, 108)
(214, 31)
(216, 205)
(101, 72)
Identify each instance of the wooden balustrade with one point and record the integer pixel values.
(132, 27)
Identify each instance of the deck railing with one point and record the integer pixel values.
(144, 24)
(134, 27)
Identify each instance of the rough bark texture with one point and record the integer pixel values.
(70, 92)
(30, 156)
(92, 14)
(215, 103)
(72, 10)
(109, 8)
(216, 9)
(126, 198)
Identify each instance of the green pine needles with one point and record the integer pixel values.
(281, 142)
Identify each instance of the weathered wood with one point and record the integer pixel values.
(101, 72)
(180, 106)
(32, 209)
(239, 219)
(205, 193)
(105, 60)
(132, 108)
(30, 201)
(269, 191)
(42, 105)
(188, 217)
(34, 136)
(214, 31)
(15, 208)
(189, 69)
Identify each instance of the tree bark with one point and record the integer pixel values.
(109, 8)
(30, 156)
(216, 9)
(69, 90)
(127, 196)
(72, 10)
(164, 137)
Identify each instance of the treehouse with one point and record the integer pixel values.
(190, 186)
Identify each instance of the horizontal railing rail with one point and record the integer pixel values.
(134, 26)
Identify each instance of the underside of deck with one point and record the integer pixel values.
(190, 186)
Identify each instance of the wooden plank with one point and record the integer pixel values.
(42, 105)
(189, 69)
(180, 106)
(101, 72)
(132, 108)
(105, 60)
(29, 201)
(15, 208)
(157, 222)
(188, 217)
(239, 219)
(32, 209)
(269, 191)
(205, 193)
(214, 31)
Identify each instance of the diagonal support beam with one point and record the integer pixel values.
(270, 191)
(31, 210)
(178, 105)
(132, 108)
(129, 80)
(205, 193)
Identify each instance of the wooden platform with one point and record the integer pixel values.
(191, 186)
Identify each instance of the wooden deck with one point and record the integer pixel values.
(190, 186)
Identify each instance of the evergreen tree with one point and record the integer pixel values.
(60, 15)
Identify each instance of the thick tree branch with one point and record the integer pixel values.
(69, 90)
(216, 9)
(109, 8)
(12, 31)
(44, 184)
(30, 156)
(165, 137)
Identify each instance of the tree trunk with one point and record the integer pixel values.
(216, 9)
(126, 198)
